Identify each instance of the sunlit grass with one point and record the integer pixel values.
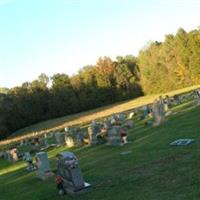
(153, 170)
(10, 168)
(85, 117)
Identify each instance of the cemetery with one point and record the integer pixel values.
(126, 155)
(99, 100)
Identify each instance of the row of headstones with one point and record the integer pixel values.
(188, 96)
(159, 109)
(10, 155)
(97, 132)
(113, 130)
(196, 97)
(181, 98)
(110, 130)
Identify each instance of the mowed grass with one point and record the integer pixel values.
(88, 116)
(153, 170)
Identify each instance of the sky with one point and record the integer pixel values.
(62, 36)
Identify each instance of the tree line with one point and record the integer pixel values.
(172, 64)
(160, 67)
(49, 97)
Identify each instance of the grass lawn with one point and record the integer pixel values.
(86, 117)
(153, 170)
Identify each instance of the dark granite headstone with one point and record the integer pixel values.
(70, 174)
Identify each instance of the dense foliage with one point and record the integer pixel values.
(160, 67)
(172, 64)
(49, 97)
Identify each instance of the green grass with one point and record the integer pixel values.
(153, 171)
(85, 117)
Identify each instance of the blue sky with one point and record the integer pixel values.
(61, 36)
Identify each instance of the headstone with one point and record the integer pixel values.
(22, 142)
(36, 141)
(161, 109)
(46, 143)
(43, 168)
(182, 142)
(80, 138)
(198, 93)
(123, 134)
(107, 124)
(104, 131)
(41, 142)
(167, 101)
(69, 137)
(166, 108)
(69, 141)
(131, 115)
(96, 126)
(129, 124)
(145, 111)
(158, 112)
(102, 135)
(69, 175)
(114, 120)
(114, 137)
(28, 159)
(35, 145)
(177, 99)
(50, 135)
(121, 117)
(60, 138)
(155, 113)
(12, 155)
(196, 97)
(92, 132)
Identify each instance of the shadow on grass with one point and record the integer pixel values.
(153, 166)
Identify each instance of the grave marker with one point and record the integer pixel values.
(30, 166)
(60, 138)
(114, 137)
(69, 137)
(12, 155)
(69, 177)
(92, 132)
(43, 168)
(182, 142)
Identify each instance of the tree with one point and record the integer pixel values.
(126, 74)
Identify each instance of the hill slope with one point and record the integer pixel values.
(153, 170)
(85, 117)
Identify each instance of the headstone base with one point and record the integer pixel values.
(44, 176)
(115, 143)
(31, 168)
(74, 192)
